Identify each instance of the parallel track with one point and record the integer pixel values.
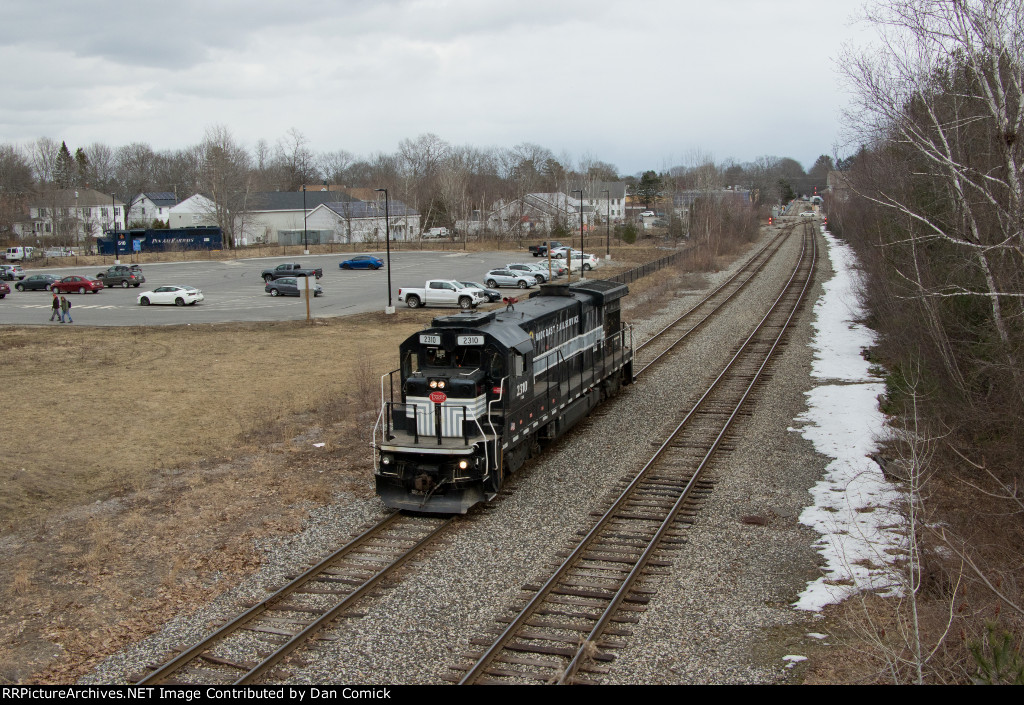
(294, 614)
(565, 626)
(655, 348)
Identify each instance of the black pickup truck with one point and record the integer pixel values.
(290, 269)
(541, 250)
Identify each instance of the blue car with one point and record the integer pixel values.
(362, 262)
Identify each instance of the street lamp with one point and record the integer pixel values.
(387, 239)
(580, 192)
(113, 230)
(305, 234)
(608, 225)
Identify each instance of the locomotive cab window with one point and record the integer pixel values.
(436, 357)
(467, 357)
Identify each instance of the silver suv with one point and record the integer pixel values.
(10, 272)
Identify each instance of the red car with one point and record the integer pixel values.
(5, 289)
(77, 282)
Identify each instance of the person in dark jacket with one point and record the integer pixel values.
(56, 308)
(65, 309)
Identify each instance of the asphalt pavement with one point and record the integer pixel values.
(234, 290)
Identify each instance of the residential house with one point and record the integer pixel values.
(147, 207)
(73, 216)
(605, 199)
(363, 221)
(282, 217)
(533, 214)
(196, 210)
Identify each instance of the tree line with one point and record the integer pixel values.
(933, 202)
(444, 182)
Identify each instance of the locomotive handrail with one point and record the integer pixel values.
(490, 422)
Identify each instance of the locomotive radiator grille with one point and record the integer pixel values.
(453, 412)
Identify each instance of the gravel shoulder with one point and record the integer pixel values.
(722, 613)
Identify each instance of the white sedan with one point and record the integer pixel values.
(177, 295)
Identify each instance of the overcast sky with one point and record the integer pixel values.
(643, 84)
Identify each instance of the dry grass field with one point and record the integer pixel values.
(142, 464)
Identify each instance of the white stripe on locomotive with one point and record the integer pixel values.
(451, 414)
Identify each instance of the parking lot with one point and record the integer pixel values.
(234, 290)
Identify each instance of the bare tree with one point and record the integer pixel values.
(335, 165)
(296, 160)
(946, 89)
(43, 157)
(225, 177)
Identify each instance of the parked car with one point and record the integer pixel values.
(362, 262)
(807, 214)
(588, 261)
(647, 214)
(541, 250)
(491, 294)
(10, 272)
(289, 286)
(441, 292)
(36, 282)
(172, 294)
(5, 289)
(59, 252)
(558, 268)
(540, 276)
(77, 282)
(290, 269)
(124, 274)
(507, 277)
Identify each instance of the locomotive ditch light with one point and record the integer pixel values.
(463, 464)
(385, 459)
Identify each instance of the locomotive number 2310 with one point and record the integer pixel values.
(521, 388)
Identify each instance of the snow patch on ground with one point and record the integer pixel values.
(855, 507)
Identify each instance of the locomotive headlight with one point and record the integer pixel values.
(440, 384)
(433, 384)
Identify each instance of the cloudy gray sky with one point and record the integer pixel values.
(641, 84)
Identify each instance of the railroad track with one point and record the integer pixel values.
(248, 647)
(655, 348)
(570, 624)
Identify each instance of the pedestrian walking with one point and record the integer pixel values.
(56, 308)
(65, 309)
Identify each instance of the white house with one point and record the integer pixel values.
(604, 199)
(73, 214)
(535, 213)
(193, 211)
(147, 207)
(363, 221)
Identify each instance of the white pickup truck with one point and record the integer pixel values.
(442, 292)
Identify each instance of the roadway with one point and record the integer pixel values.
(234, 289)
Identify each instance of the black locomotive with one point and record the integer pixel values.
(478, 393)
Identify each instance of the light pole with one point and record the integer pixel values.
(580, 192)
(387, 240)
(113, 230)
(608, 225)
(305, 234)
